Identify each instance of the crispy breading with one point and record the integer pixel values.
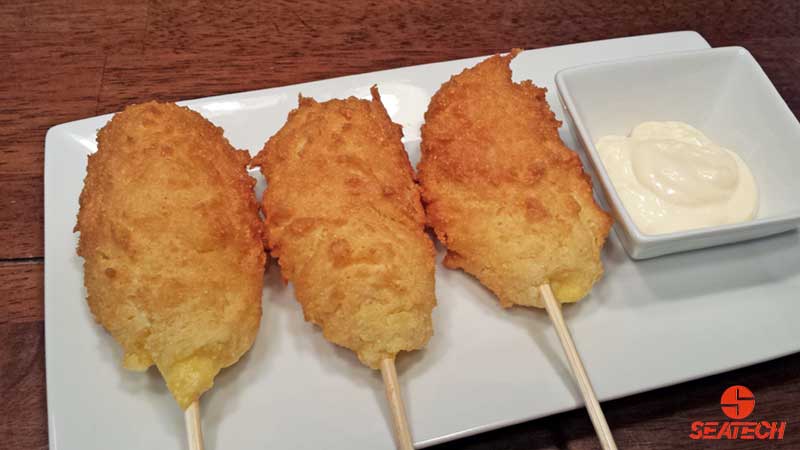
(509, 201)
(171, 241)
(345, 221)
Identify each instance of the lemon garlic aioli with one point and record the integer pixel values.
(671, 177)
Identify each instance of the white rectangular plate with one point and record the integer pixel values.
(645, 325)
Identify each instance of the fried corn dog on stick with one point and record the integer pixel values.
(171, 241)
(344, 219)
(509, 201)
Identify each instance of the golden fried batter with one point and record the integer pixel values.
(171, 241)
(508, 199)
(344, 219)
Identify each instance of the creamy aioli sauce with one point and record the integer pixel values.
(671, 177)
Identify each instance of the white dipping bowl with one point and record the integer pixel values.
(721, 91)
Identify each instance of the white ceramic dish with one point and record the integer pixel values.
(645, 325)
(721, 91)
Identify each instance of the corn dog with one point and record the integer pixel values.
(171, 241)
(344, 219)
(509, 201)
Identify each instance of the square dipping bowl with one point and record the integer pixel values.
(724, 93)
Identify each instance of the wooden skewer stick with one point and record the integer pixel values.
(401, 432)
(194, 431)
(553, 308)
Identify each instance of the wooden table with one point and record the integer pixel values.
(63, 61)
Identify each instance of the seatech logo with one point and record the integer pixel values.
(737, 403)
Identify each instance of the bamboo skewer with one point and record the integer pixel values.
(401, 432)
(553, 308)
(194, 431)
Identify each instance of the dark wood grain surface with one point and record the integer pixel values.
(64, 60)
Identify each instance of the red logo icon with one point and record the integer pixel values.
(737, 402)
